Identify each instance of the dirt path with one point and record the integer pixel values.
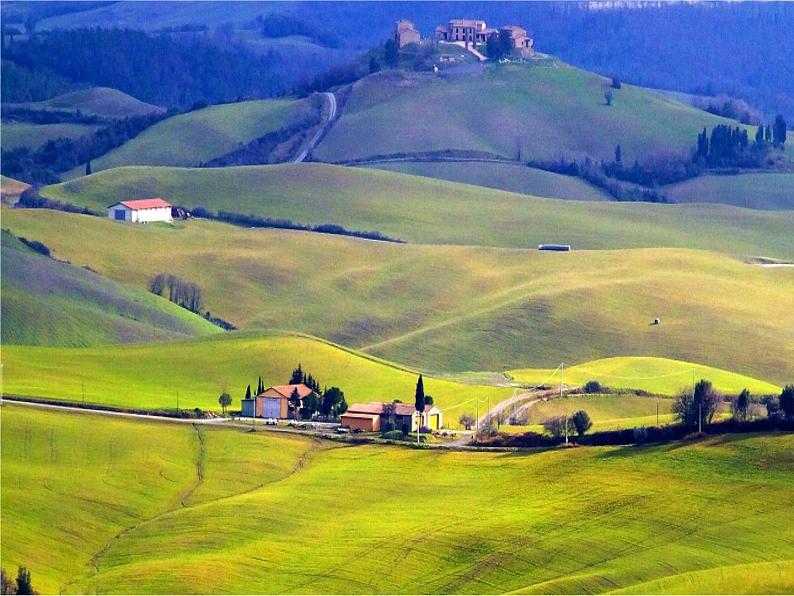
(316, 138)
(471, 49)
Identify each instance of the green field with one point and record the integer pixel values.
(51, 303)
(195, 137)
(17, 134)
(757, 191)
(655, 375)
(183, 509)
(453, 308)
(95, 101)
(516, 111)
(424, 210)
(152, 376)
(503, 176)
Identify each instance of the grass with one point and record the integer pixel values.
(104, 102)
(17, 134)
(511, 110)
(655, 375)
(152, 376)
(424, 210)
(453, 308)
(199, 136)
(510, 177)
(52, 303)
(689, 517)
(757, 191)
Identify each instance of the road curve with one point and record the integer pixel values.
(316, 138)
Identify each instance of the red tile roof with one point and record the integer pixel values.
(286, 391)
(379, 408)
(359, 416)
(145, 204)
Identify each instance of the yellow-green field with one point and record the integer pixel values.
(757, 191)
(655, 375)
(17, 134)
(196, 372)
(183, 509)
(104, 102)
(420, 209)
(452, 308)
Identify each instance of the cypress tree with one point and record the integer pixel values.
(618, 154)
(779, 130)
(88, 168)
(248, 392)
(419, 404)
(759, 135)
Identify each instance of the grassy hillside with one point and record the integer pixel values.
(302, 517)
(757, 191)
(151, 375)
(420, 209)
(199, 136)
(518, 111)
(514, 178)
(16, 134)
(95, 101)
(656, 375)
(45, 302)
(452, 308)
(10, 189)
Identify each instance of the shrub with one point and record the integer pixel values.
(393, 434)
(786, 401)
(35, 245)
(592, 387)
(557, 425)
(581, 421)
(467, 421)
(640, 434)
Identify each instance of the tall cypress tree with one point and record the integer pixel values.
(248, 392)
(779, 131)
(419, 404)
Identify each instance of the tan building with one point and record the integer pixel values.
(274, 401)
(476, 32)
(518, 37)
(374, 416)
(405, 33)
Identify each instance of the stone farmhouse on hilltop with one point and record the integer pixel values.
(405, 33)
(476, 32)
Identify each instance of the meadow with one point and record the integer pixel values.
(532, 111)
(17, 134)
(453, 308)
(191, 509)
(424, 210)
(774, 191)
(503, 176)
(51, 303)
(193, 374)
(104, 102)
(201, 135)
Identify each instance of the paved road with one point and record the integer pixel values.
(316, 138)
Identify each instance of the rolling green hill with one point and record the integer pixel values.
(757, 191)
(503, 176)
(531, 111)
(51, 303)
(17, 134)
(95, 101)
(420, 209)
(199, 136)
(183, 509)
(153, 376)
(453, 308)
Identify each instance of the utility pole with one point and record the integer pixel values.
(82, 388)
(562, 377)
(177, 402)
(657, 411)
(566, 427)
(477, 419)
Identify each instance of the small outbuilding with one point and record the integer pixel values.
(373, 416)
(141, 211)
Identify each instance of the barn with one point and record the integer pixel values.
(274, 401)
(141, 211)
(374, 415)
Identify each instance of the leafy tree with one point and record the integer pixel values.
(786, 401)
(310, 406)
(581, 421)
(7, 583)
(741, 406)
(556, 426)
(608, 97)
(772, 404)
(333, 402)
(225, 400)
(428, 400)
(698, 406)
(467, 421)
(616, 84)
(419, 402)
(779, 131)
(592, 387)
(506, 43)
(24, 585)
(391, 53)
(493, 48)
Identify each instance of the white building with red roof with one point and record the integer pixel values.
(141, 211)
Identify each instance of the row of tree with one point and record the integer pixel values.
(22, 584)
(184, 293)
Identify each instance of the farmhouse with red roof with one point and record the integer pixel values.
(141, 211)
(274, 401)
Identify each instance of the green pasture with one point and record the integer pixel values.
(689, 517)
(757, 191)
(104, 102)
(454, 308)
(519, 111)
(503, 176)
(16, 134)
(419, 209)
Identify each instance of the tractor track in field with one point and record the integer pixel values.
(199, 468)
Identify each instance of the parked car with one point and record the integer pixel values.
(271, 421)
(343, 430)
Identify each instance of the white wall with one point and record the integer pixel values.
(141, 215)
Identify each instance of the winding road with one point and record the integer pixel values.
(316, 138)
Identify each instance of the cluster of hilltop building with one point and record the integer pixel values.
(471, 32)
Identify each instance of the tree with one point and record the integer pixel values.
(374, 66)
(225, 400)
(505, 42)
(428, 400)
(333, 402)
(467, 421)
(786, 401)
(618, 154)
(608, 97)
(616, 84)
(581, 421)
(310, 405)
(698, 407)
(741, 406)
(297, 377)
(772, 404)
(493, 48)
(419, 403)
(759, 136)
(24, 585)
(779, 131)
(295, 400)
(592, 387)
(7, 584)
(248, 392)
(556, 425)
(260, 387)
(391, 53)
(88, 168)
